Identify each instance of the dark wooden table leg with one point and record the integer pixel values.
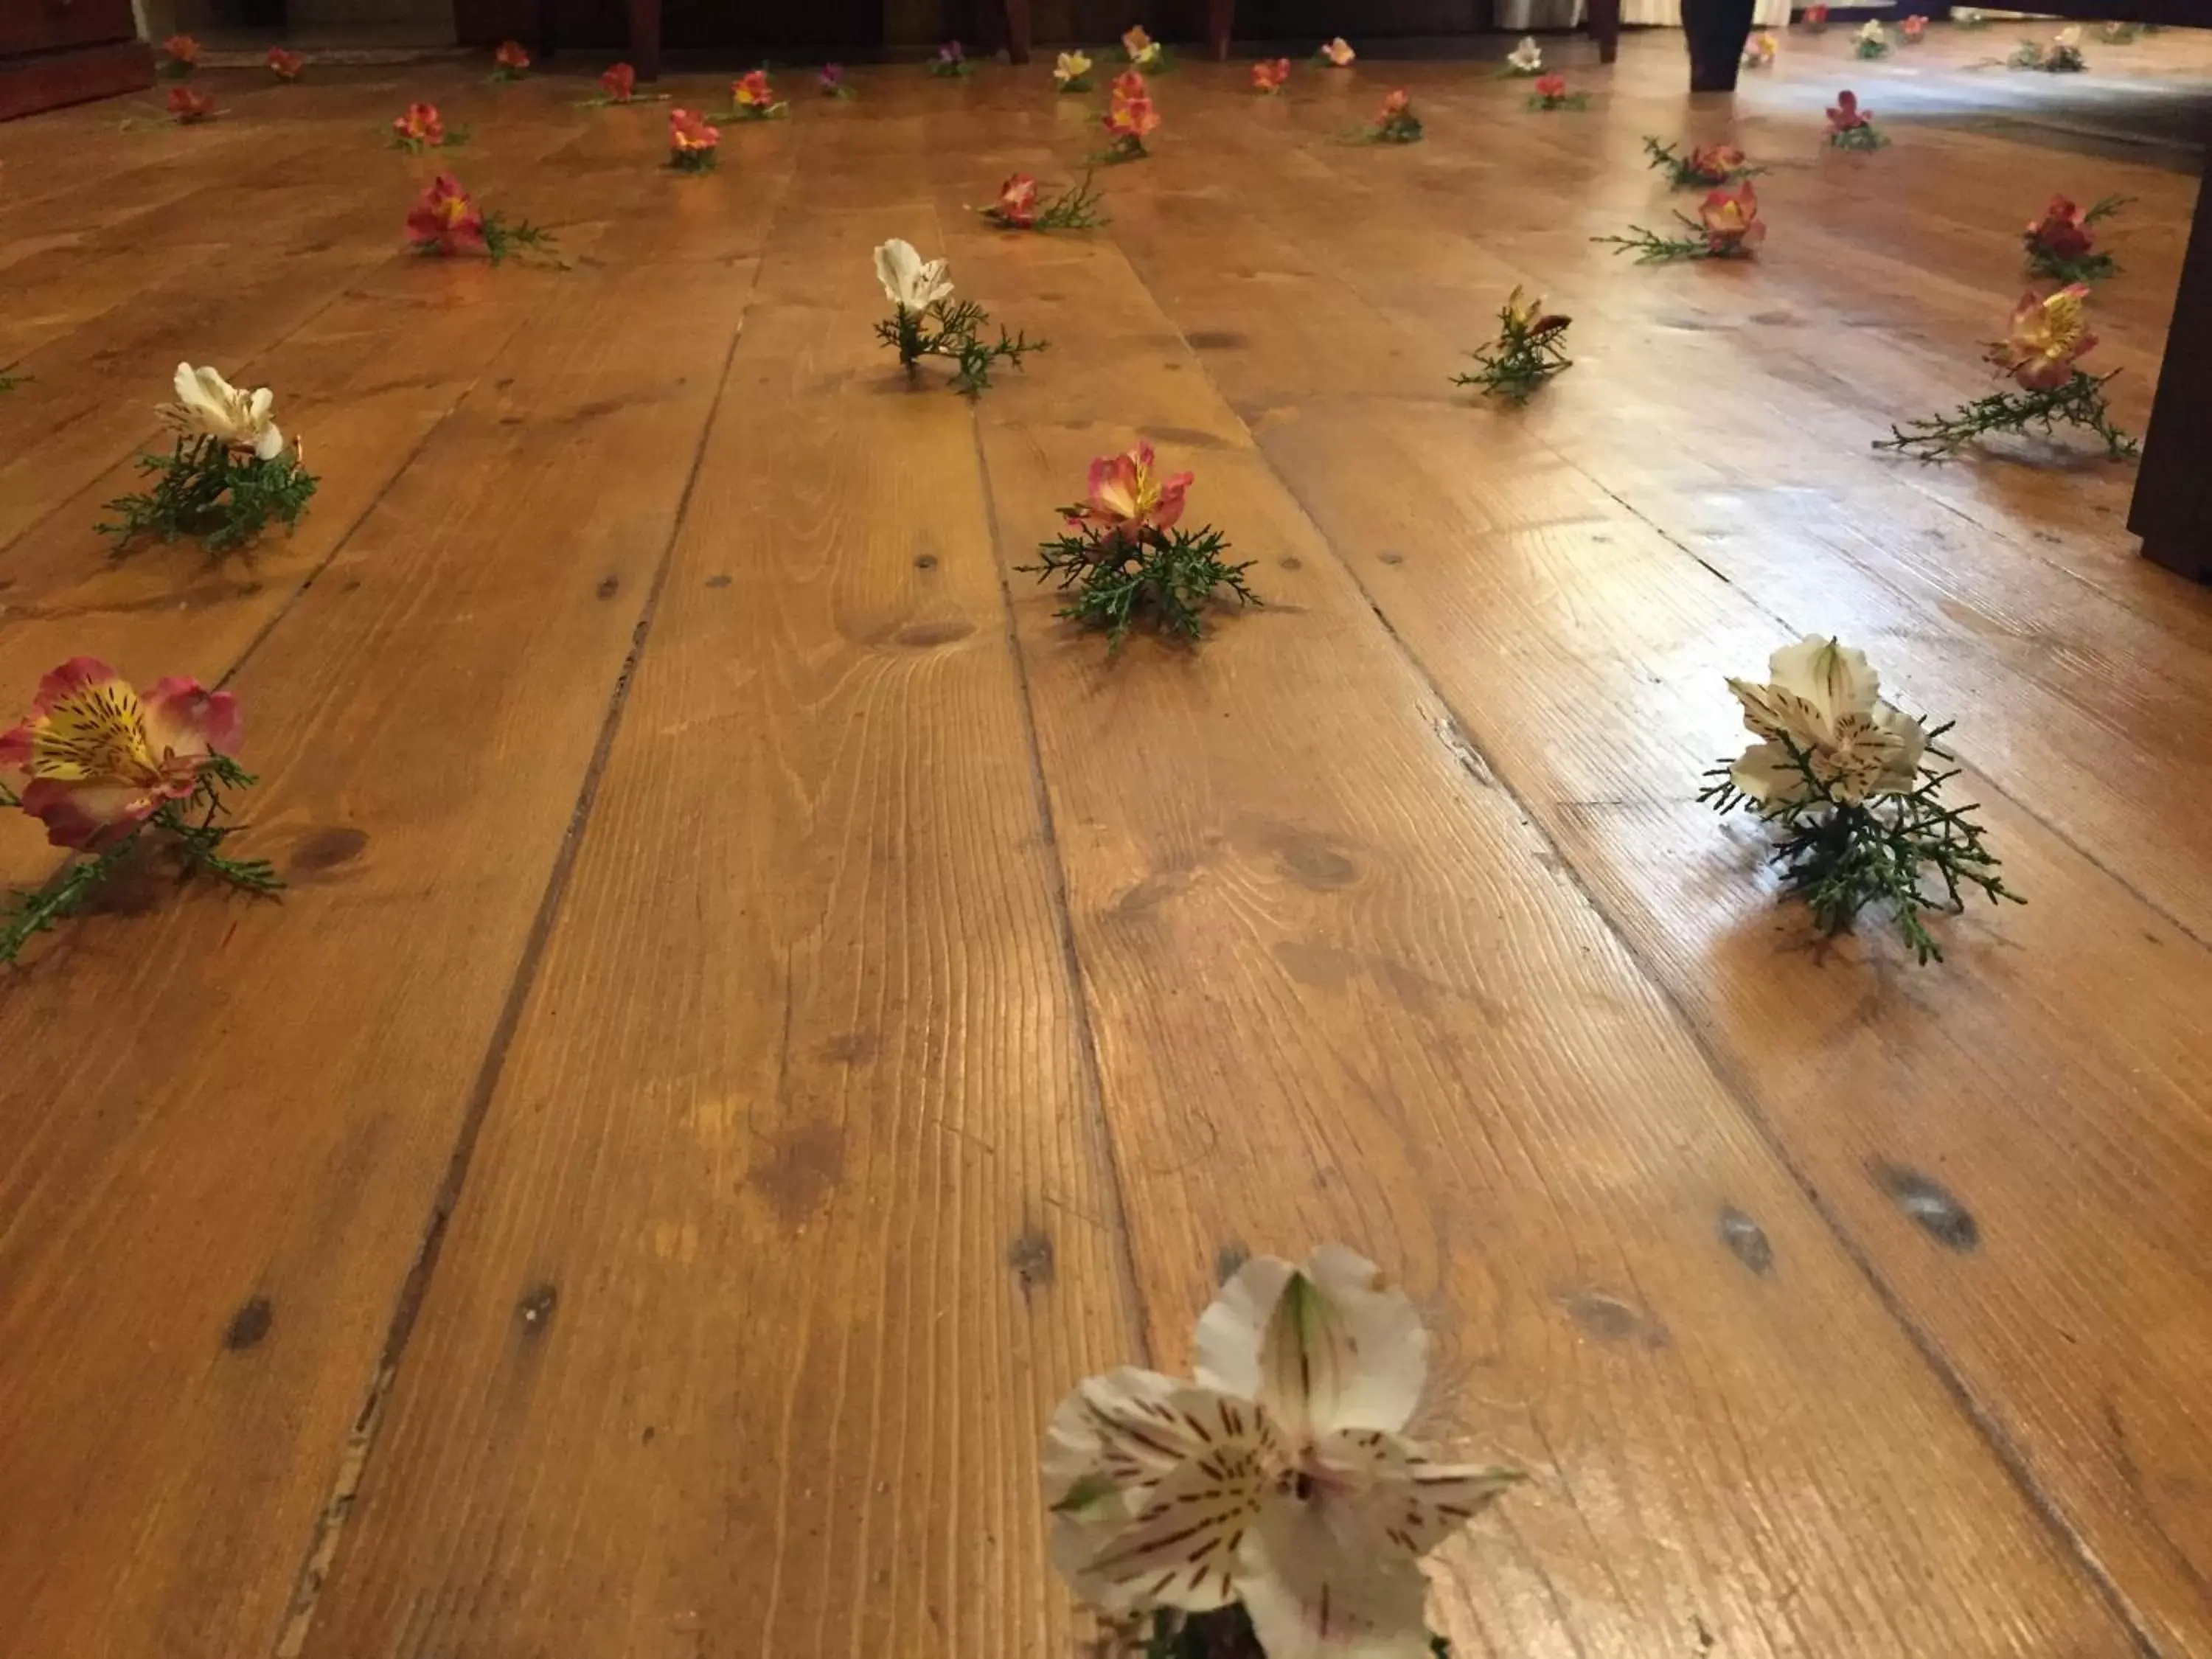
(645, 39)
(1220, 25)
(1716, 31)
(2172, 507)
(1018, 31)
(1604, 25)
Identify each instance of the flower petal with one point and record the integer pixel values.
(1834, 678)
(1318, 1585)
(1765, 774)
(185, 719)
(1388, 1484)
(1340, 1346)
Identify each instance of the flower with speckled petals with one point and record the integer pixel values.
(1128, 496)
(1141, 48)
(1280, 1478)
(1730, 220)
(1824, 700)
(2047, 336)
(188, 108)
(420, 127)
(100, 758)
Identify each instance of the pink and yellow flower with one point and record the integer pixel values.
(690, 135)
(1845, 115)
(1139, 45)
(285, 65)
(1269, 75)
(2046, 337)
(1913, 27)
(619, 83)
(1397, 102)
(189, 108)
(182, 52)
(1130, 118)
(1759, 51)
(511, 57)
(1017, 202)
(1815, 15)
(752, 91)
(2062, 232)
(1338, 52)
(447, 220)
(421, 125)
(1551, 86)
(100, 758)
(1715, 164)
(1731, 221)
(1128, 496)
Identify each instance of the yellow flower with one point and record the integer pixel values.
(2045, 338)
(1071, 66)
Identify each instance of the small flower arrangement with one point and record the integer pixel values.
(1395, 122)
(1071, 72)
(511, 62)
(1525, 59)
(1913, 28)
(692, 141)
(2062, 56)
(925, 321)
(1020, 206)
(285, 65)
(1269, 76)
(188, 108)
(225, 478)
(2062, 245)
(1130, 119)
(1168, 1496)
(1850, 127)
(1814, 17)
(1336, 53)
(1871, 41)
(1728, 227)
(1551, 93)
(1126, 555)
(2118, 34)
(752, 98)
(446, 223)
(1142, 51)
(1530, 349)
(102, 762)
(1759, 51)
(2041, 352)
(181, 56)
(420, 127)
(1707, 167)
(1842, 775)
(831, 81)
(618, 85)
(951, 61)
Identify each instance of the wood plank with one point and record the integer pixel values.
(200, 1266)
(818, 1180)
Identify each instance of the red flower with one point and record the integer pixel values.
(102, 758)
(689, 133)
(1132, 118)
(1129, 84)
(421, 125)
(2062, 232)
(1846, 113)
(285, 65)
(1914, 27)
(1269, 75)
(1551, 86)
(1127, 496)
(190, 108)
(1715, 164)
(619, 82)
(1816, 14)
(446, 221)
(752, 91)
(1017, 202)
(510, 57)
(1731, 220)
(1396, 104)
(182, 49)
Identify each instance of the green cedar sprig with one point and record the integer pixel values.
(1652, 248)
(949, 329)
(2088, 267)
(1682, 174)
(1166, 575)
(205, 489)
(1528, 352)
(2078, 401)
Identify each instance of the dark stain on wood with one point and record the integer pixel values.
(801, 1169)
(1216, 339)
(1930, 1206)
(722, 581)
(926, 562)
(535, 1309)
(1152, 891)
(608, 587)
(1030, 1257)
(1311, 963)
(326, 849)
(849, 1049)
(1393, 558)
(1229, 1260)
(1747, 1241)
(1291, 561)
(922, 635)
(1609, 1319)
(1187, 437)
(1310, 861)
(249, 1324)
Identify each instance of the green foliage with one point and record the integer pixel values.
(455, 138)
(1126, 147)
(10, 382)
(192, 825)
(1866, 45)
(1840, 857)
(1537, 100)
(502, 239)
(1526, 354)
(1684, 174)
(1652, 248)
(204, 489)
(1076, 208)
(2086, 268)
(2078, 401)
(692, 160)
(951, 329)
(1399, 127)
(1167, 575)
(1865, 135)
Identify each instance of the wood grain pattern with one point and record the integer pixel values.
(763, 1007)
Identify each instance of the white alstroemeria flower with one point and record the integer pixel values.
(209, 405)
(1873, 30)
(913, 284)
(1071, 66)
(1826, 699)
(1527, 57)
(2070, 36)
(1280, 1478)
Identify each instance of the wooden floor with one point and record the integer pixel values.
(761, 1007)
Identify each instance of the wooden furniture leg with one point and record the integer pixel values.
(1018, 31)
(1716, 31)
(2172, 506)
(645, 39)
(1220, 25)
(1604, 25)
